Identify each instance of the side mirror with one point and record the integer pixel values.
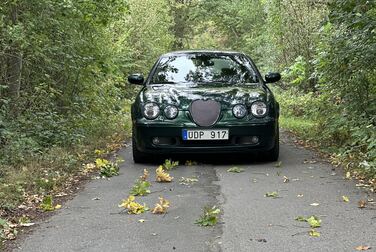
(272, 77)
(136, 79)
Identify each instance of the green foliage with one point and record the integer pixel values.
(313, 221)
(169, 164)
(141, 188)
(107, 168)
(62, 72)
(63, 66)
(47, 204)
(209, 217)
(297, 73)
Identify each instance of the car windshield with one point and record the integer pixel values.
(203, 69)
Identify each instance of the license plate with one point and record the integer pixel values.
(217, 134)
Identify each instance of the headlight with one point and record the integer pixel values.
(239, 111)
(151, 111)
(259, 109)
(171, 112)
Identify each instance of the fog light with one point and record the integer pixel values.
(155, 140)
(255, 139)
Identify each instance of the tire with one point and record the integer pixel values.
(273, 154)
(138, 156)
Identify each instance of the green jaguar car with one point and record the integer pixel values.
(204, 102)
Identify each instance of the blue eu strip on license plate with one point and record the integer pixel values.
(185, 134)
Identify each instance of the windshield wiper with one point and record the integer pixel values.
(163, 82)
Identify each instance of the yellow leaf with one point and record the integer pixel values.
(57, 207)
(145, 176)
(163, 176)
(348, 175)
(161, 207)
(99, 162)
(132, 206)
(345, 199)
(314, 233)
(360, 248)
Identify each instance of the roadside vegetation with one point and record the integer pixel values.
(63, 69)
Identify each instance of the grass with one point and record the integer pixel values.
(49, 171)
(305, 128)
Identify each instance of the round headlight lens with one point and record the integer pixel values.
(171, 112)
(259, 109)
(151, 111)
(239, 111)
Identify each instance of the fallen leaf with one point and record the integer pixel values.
(348, 175)
(57, 207)
(141, 220)
(314, 222)
(286, 179)
(362, 203)
(300, 218)
(27, 224)
(271, 194)
(144, 176)
(360, 248)
(161, 207)
(62, 194)
(132, 206)
(209, 217)
(314, 204)
(345, 199)
(314, 233)
(235, 170)
(188, 181)
(163, 176)
(278, 165)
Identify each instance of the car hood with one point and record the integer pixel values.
(183, 95)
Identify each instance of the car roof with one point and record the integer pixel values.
(200, 52)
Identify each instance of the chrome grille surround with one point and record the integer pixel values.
(205, 113)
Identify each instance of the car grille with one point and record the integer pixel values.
(205, 113)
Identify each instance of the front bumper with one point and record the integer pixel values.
(143, 134)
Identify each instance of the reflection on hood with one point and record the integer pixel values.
(183, 95)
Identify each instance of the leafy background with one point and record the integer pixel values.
(63, 66)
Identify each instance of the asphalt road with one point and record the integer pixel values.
(249, 221)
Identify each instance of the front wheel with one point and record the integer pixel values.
(273, 154)
(138, 156)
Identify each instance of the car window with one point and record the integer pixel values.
(203, 68)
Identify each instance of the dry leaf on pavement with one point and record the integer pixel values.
(161, 206)
(163, 176)
(362, 203)
(360, 248)
(345, 199)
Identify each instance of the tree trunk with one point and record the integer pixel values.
(14, 63)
